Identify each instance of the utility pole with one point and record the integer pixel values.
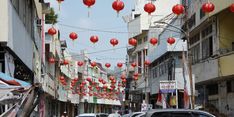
(189, 56)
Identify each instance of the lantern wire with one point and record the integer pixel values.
(82, 29)
(100, 51)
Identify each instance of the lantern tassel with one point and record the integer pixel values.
(117, 14)
(88, 11)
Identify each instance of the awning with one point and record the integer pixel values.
(13, 81)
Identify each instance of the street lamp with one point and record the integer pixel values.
(186, 34)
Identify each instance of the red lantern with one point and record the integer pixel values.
(178, 9)
(123, 77)
(65, 62)
(107, 65)
(119, 65)
(51, 60)
(171, 40)
(95, 94)
(72, 84)
(135, 74)
(62, 78)
(73, 36)
(118, 5)
(114, 42)
(89, 79)
(103, 82)
(135, 78)
(132, 42)
(208, 7)
(232, 7)
(90, 94)
(112, 86)
(81, 86)
(80, 63)
(76, 79)
(89, 3)
(89, 87)
(119, 85)
(147, 62)
(105, 87)
(52, 31)
(111, 78)
(113, 81)
(100, 79)
(149, 8)
(93, 64)
(134, 64)
(153, 41)
(93, 83)
(94, 39)
(97, 87)
(124, 80)
(83, 83)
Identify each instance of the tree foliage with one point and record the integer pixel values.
(51, 18)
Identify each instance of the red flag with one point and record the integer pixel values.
(159, 98)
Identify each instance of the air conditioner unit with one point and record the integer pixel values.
(38, 22)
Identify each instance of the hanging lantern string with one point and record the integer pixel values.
(101, 51)
(106, 31)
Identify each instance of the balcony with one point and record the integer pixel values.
(155, 82)
(138, 25)
(49, 85)
(205, 70)
(226, 64)
(162, 48)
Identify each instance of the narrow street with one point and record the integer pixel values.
(116, 58)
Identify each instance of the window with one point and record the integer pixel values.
(230, 86)
(192, 21)
(212, 89)
(145, 39)
(139, 41)
(195, 51)
(15, 4)
(194, 39)
(207, 48)
(202, 14)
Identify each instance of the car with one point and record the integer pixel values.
(114, 115)
(87, 115)
(177, 113)
(102, 114)
(137, 114)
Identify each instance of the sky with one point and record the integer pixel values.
(73, 16)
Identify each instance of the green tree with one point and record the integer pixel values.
(51, 18)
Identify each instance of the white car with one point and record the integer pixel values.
(87, 115)
(114, 115)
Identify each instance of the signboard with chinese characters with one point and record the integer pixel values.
(168, 86)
